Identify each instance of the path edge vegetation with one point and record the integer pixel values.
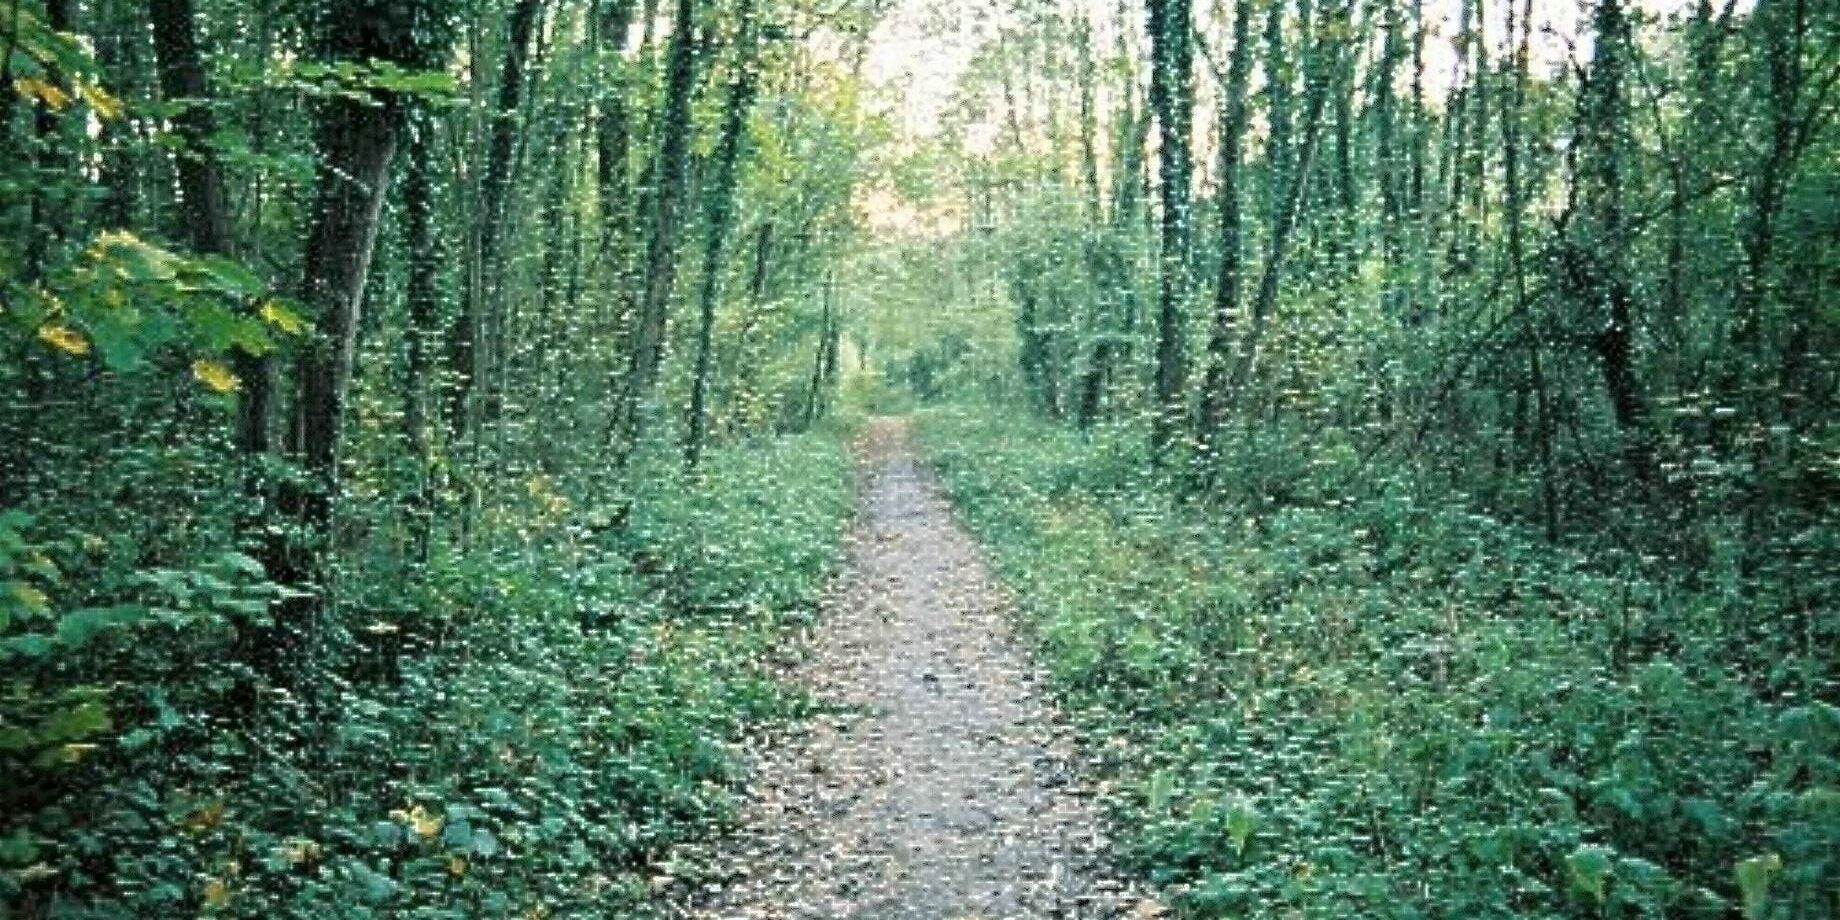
(377, 537)
(1384, 706)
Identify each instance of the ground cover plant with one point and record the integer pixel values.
(1384, 707)
(415, 442)
(1407, 427)
(527, 730)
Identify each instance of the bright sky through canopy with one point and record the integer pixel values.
(923, 46)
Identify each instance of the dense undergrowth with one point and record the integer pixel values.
(1387, 707)
(550, 711)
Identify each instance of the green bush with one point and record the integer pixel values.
(519, 731)
(1379, 707)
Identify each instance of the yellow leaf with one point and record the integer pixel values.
(105, 105)
(74, 753)
(300, 850)
(216, 376)
(205, 817)
(216, 892)
(456, 866)
(31, 597)
(425, 824)
(283, 319)
(34, 88)
(64, 339)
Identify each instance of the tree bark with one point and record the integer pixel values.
(423, 301)
(1513, 111)
(356, 141)
(1277, 248)
(646, 348)
(721, 208)
(1233, 129)
(205, 208)
(1172, 100)
(1596, 262)
(470, 347)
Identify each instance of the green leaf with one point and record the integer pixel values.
(1754, 877)
(30, 646)
(18, 848)
(1242, 820)
(231, 278)
(76, 723)
(79, 627)
(134, 259)
(373, 886)
(1590, 866)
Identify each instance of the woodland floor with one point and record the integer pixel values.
(948, 790)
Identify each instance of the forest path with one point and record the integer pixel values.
(948, 793)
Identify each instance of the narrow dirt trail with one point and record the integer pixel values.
(949, 794)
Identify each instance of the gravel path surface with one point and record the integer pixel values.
(950, 794)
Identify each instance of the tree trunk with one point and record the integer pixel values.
(1172, 100)
(647, 344)
(1596, 257)
(1277, 112)
(356, 143)
(611, 129)
(356, 140)
(1513, 111)
(1112, 345)
(206, 211)
(1233, 128)
(1277, 248)
(423, 301)
(470, 346)
(720, 214)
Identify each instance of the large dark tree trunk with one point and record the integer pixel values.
(356, 143)
(1172, 101)
(356, 140)
(1599, 247)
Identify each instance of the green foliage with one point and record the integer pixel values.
(133, 303)
(1373, 706)
(526, 728)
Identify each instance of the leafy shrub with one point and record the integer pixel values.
(1380, 707)
(518, 731)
